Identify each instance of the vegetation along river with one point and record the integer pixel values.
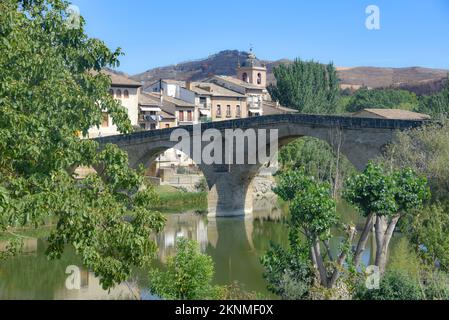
(235, 245)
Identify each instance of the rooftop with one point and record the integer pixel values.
(213, 89)
(238, 82)
(146, 99)
(167, 115)
(271, 108)
(397, 114)
(121, 80)
(171, 100)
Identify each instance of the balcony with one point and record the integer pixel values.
(204, 105)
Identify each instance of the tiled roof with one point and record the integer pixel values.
(270, 107)
(121, 80)
(238, 82)
(146, 99)
(205, 88)
(167, 115)
(395, 114)
(208, 88)
(171, 100)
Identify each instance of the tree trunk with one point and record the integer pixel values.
(341, 261)
(320, 264)
(328, 250)
(382, 263)
(381, 227)
(363, 239)
(337, 165)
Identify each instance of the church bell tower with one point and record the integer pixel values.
(252, 71)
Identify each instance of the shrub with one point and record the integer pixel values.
(394, 285)
(188, 275)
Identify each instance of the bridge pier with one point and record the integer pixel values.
(230, 193)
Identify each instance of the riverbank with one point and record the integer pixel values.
(173, 200)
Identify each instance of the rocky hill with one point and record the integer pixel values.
(417, 79)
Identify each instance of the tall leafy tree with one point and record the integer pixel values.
(306, 86)
(313, 215)
(384, 198)
(51, 88)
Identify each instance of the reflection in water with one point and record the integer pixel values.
(235, 245)
(32, 276)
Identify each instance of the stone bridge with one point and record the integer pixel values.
(230, 185)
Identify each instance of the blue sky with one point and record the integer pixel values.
(155, 33)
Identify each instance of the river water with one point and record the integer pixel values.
(235, 245)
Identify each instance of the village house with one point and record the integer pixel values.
(125, 90)
(153, 114)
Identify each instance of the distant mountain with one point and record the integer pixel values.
(417, 79)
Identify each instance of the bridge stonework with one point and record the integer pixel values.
(230, 186)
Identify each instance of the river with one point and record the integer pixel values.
(235, 245)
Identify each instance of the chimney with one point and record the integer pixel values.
(161, 93)
(189, 85)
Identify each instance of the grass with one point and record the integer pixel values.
(173, 200)
(40, 232)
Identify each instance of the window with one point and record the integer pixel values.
(167, 125)
(111, 92)
(118, 94)
(105, 120)
(181, 115)
(189, 115)
(259, 78)
(238, 111)
(245, 77)
(218, 114)
(228, 111)
(153, 126)
(142, 126)
(126, 94)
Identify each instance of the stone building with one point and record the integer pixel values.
(125, 90)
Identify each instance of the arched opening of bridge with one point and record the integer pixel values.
(318, 158)
(172, 170)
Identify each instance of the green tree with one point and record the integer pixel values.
(436, 104)
(428, 231)
(188, 275)
(288, 272)
(51, 88)
(306, 86)
(318, 159)
(383, 198)
(382, 99)
(313, 215)
(425, 150)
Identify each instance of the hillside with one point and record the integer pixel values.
(417, 79)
